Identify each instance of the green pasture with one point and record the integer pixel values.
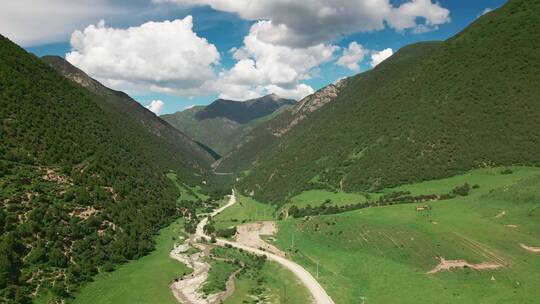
(381, 255)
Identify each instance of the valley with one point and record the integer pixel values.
(466, 248)
(478, 243)
(140, 163)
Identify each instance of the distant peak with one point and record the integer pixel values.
(272, 96)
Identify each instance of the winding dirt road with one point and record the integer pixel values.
(317, 291)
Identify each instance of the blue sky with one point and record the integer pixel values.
(225, 26)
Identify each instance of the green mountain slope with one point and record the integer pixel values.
(224, 123)
(171, 141)
(82, 183)
(430, 111)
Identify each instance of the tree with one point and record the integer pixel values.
(11, 251)
(57, 258)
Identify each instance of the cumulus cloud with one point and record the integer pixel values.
(264, 67)
(378, 57)
(352, 56)
(406, 15)
(165, 57)
(30, 22)
(307, 23)
(156, 106)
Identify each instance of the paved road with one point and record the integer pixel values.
(317, 291)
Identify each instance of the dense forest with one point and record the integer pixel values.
(163, 142)
(433, 110)
(82, 188)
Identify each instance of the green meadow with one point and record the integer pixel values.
(382, 254)
(318, 197)
(145, 280)
(245, 210)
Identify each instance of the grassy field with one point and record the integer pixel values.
(246, 209)
(145, 280)
(187, 192)
(318, 197)
(277, 285)
(383, 254)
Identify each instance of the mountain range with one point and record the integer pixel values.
(434, 109)
(223, 123)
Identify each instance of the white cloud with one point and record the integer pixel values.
(378, 57)
(30, 22)
(487, 10)
(352, 56)
(406, 15)
(422, 28)
(166, 57)
(156, 106)
(190, 107)
(298, 92)
(264, 67)
(307, 23)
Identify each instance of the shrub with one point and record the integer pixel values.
(462, 190)
(507, 171)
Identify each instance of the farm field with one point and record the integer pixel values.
(383, 254)
(145, 280)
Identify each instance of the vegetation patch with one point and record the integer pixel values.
(271, 284)
(225, 262)
(218, 276)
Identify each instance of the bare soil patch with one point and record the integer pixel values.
(250, 235)
(53, 176)
(449, 264)
(529, 248)
(83, 213)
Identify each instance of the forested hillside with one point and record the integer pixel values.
(168, 140)
(223, 124)
(82, 186)
(430, 111)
